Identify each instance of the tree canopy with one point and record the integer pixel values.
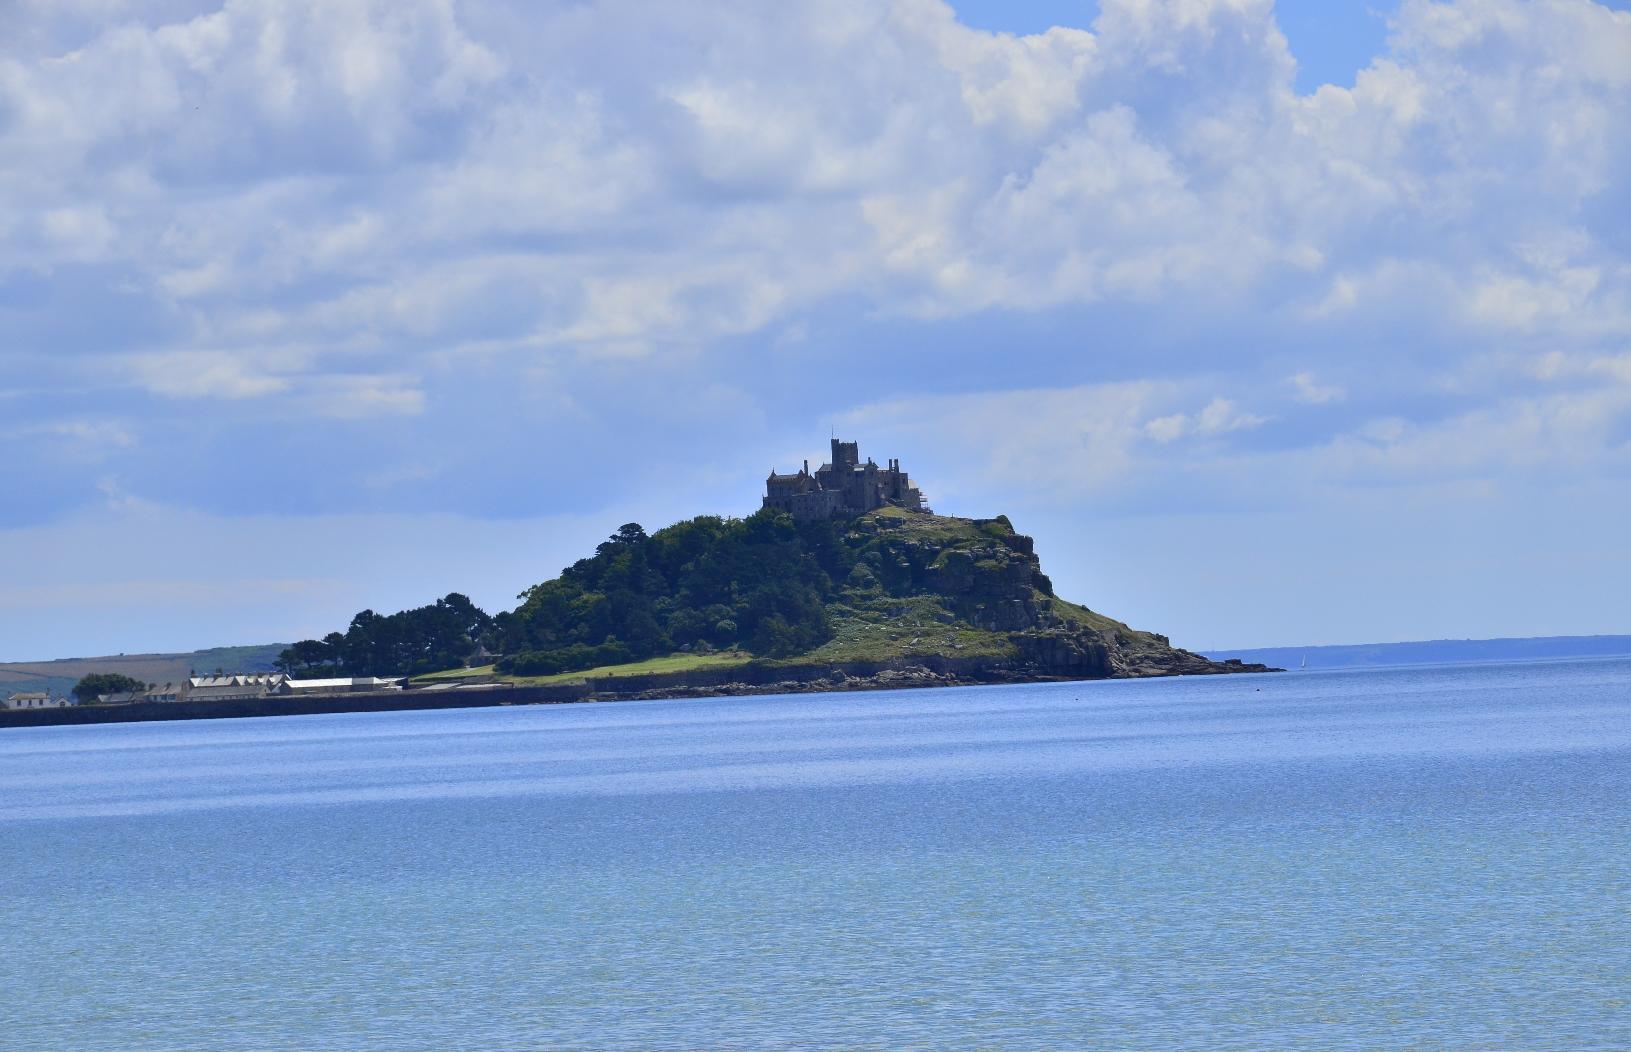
(409, 642)
(759, 583)
(97, 683)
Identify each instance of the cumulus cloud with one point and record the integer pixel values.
(338, 211)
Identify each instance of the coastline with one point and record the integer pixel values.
(751, 679)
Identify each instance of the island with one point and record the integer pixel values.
(844, 579)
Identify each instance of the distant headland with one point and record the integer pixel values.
(843, 580)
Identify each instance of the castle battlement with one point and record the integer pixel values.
(843, 487)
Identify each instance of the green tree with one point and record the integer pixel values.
(87, 689)
(763, 582)
(310, 657)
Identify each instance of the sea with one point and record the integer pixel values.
(1429, 857)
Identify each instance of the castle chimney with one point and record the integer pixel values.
(806, 467)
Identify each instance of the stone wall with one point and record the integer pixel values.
(384, 701)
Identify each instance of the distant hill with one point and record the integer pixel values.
(59, 676)
(1434, 652)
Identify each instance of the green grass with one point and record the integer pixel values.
(650, 666)
(937, 529)
(883, 628)
(1081, 615)
(455, 673)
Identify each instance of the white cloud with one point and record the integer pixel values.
(296, 157)
(1131, 447)
(1024, 85)
(362, 397)
(205, 374)
(1056, 447)
(1307, 389)
(1567, 435)
(1219, 417)
(316, 207)
(86, 441)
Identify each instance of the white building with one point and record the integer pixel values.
(344, 685)
(36, 699)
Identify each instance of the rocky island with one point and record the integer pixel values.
(933, 600)
(843, 580)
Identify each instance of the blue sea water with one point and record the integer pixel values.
(1427, 857)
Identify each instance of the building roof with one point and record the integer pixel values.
(250, 679)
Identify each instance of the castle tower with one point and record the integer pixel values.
(844, 487)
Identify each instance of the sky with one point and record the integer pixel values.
(1275, 324)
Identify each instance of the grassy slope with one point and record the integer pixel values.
(667, 663)
(885, 628)
(1081, 615)
(879, 627)
(873, 626)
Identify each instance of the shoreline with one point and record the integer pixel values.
(734, 682)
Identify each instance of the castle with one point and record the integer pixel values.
(842, 488)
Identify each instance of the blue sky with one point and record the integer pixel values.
(1274, 323)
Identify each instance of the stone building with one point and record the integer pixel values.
(843, 487)
(153, 693)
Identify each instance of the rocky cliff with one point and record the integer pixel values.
(967, 599)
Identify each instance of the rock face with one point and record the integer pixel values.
(988, 577)
(1065, 652)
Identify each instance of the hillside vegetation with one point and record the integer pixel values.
(890, 589)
